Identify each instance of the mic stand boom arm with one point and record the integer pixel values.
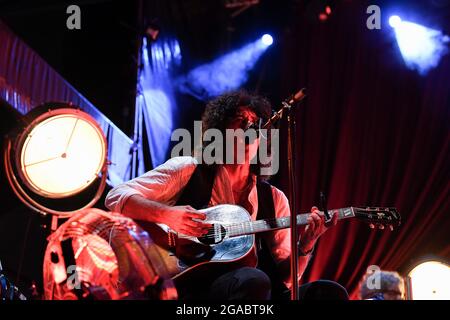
(286, 105)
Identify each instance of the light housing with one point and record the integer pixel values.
(57, 156)
(61, 153)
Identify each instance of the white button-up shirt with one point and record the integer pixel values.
(165, 184)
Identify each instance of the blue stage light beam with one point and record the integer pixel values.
(421, 47)
(156, 109)
(228, 72)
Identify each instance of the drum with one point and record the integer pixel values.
(104, 255)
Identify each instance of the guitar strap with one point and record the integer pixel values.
(266, 263)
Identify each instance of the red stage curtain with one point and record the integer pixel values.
(371, 133)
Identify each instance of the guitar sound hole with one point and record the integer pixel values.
(214, 236)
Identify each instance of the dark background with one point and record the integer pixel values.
(371, 131)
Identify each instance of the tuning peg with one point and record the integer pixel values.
(381, 227)
(371, 226)
(391, 227)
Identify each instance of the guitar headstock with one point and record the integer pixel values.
(378, 217)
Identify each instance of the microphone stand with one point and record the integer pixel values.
(292, 198)
(287, 105)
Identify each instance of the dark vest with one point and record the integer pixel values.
(197, 194)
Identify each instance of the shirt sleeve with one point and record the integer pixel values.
(162, 184)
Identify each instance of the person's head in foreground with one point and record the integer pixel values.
(382, 285)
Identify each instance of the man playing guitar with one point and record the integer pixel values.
(155, 197)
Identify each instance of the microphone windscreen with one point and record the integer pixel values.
(300, 95)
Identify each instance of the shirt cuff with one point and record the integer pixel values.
(116, 203)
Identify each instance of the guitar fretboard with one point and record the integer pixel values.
(252, 227)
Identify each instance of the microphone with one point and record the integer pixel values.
(300, 95)
(286, 104)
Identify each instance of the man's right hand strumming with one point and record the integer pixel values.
(181, 219)
(178, 218)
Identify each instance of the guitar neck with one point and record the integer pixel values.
(252, 227)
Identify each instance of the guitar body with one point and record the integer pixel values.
(229, 244)
(190, 259)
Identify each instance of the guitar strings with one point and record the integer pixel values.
(241, 227)
(264, 222)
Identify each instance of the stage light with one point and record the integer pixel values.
(152, 30)
(430, 281)
(62, 155)
(421, 47)
(323, 16)
(58, 155)
(267, 39)
(394, 21)
(226, 73)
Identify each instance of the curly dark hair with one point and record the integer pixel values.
(220, 111)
